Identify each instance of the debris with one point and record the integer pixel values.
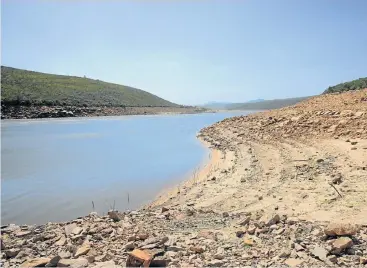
(139, 258)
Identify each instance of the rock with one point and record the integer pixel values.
(69, 228)
(64, 254)
(207, 234)
(175, 248)
(215, 263)
(285, 253)
(334, 229)
(12, 252)
(270, 219)
(36, 262)
(353, 148)
(61, 241)
(240, 233)
(363, 260)
(337, 179)
(340, 244)
(142, 236)
(292, 220)
(251, 230)
(245, 221)
(320, 160)
(53, 261)
(291, 262)
(82, 250)
(130, 246)
(22, 233)
(248, 242)
(320, 253)
(353, 142)
(164, 209)
(197, 249)
(75, 263)
(114, 215)
(225, 214)
(332, 259)
(106, 264)
(298, 247)
(77, 230)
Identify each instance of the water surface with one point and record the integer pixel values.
(52, 170)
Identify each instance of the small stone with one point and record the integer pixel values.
(320, 160)
(53, 261)
(291, 262)
(353, 142)
(240, 233)
(76, 263)
(341, 244)
(35, 262)
(77, 230)
(285, 253)
(115, 216)
(64, 254)
(130, 246)
(363, 260)
(245, 221)
(10, 253)
(353, 148)
(320, 253)
(61, 241)
(142, 236)
(334, 229)
(225, 214)
(292, 220)
(332, 259)
(251, 230)
(82, 250)
(269, 220)
(197, 249)
(106, 264)
(298, 247)
(248, 242)
(164, 209)
(22, 233)
(261, 198)
(69, 228)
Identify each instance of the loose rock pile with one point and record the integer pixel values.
(176, 238)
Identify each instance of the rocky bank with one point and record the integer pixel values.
(283, 188)
(28, 112)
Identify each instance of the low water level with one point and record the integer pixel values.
(52, 170)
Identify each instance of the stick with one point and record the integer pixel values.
(336, 190)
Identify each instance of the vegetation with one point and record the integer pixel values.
(22, 87)
(360, 83)
(266, 104)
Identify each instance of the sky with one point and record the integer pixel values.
(192, 52)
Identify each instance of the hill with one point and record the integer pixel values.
(357, 84)
(22, 87)
(265, 104)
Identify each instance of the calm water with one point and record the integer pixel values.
(52, 170)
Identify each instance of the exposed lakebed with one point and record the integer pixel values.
(52, 170)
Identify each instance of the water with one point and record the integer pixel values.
(52, 170)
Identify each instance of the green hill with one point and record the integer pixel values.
(22, 87)
(265, 104)
(357, 84)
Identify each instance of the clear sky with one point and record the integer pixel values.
(192, 52)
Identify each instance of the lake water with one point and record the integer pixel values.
(52, 170)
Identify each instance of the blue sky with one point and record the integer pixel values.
(192, 52)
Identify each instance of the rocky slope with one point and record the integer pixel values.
(283, 188)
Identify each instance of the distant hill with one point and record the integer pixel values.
(265, 104)
(22, 87)
(215, 105)
(357, 84)
(253, 101)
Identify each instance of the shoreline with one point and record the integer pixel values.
(48, 112)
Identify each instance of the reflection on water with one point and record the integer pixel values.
(52, 170)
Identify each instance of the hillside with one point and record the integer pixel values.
(357, 84)
(22, 87)
(265, 104)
